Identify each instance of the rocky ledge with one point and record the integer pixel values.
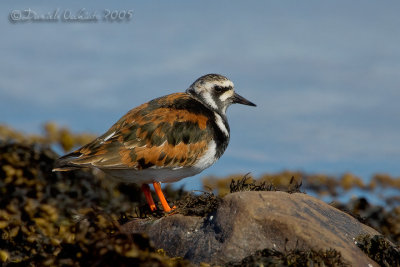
(247, 222)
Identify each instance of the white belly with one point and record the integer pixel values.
(165, 175)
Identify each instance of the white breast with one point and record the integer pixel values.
(208, 158)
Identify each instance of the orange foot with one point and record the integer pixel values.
(161, 197)
(149, 198)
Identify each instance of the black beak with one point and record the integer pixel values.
(241, 100)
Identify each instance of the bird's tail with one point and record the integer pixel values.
(65, 162)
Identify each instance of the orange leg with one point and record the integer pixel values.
(157, 188)
(149, 198)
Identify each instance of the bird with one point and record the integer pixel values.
(164, 140)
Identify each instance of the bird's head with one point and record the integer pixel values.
(216, 92)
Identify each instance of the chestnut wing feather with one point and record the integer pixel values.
(153, 135)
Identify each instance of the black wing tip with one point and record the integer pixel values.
(74, 154)
(64, 169)
(64, 163)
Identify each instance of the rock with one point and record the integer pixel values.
(246, 222)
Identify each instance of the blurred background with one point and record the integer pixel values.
(325, 76)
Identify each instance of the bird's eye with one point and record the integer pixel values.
(219, 89)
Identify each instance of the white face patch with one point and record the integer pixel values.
(208, 86)
(209, 100)
(226, 95)
(226, 83)
(204, 89)
(221, 124)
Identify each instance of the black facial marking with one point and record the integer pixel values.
(219, 137)
(221, 89)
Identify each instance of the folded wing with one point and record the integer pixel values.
(153, 135)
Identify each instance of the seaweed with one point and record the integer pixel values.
(66, 219)
(379, 249)
(198, 205)
(295, 257)
(246, 183)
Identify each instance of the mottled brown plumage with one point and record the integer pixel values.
(166, 139)
(156, 134)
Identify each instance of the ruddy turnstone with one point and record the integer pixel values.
(164, 140)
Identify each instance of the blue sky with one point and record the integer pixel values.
(325, 75)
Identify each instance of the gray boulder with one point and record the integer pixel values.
(249, 221)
